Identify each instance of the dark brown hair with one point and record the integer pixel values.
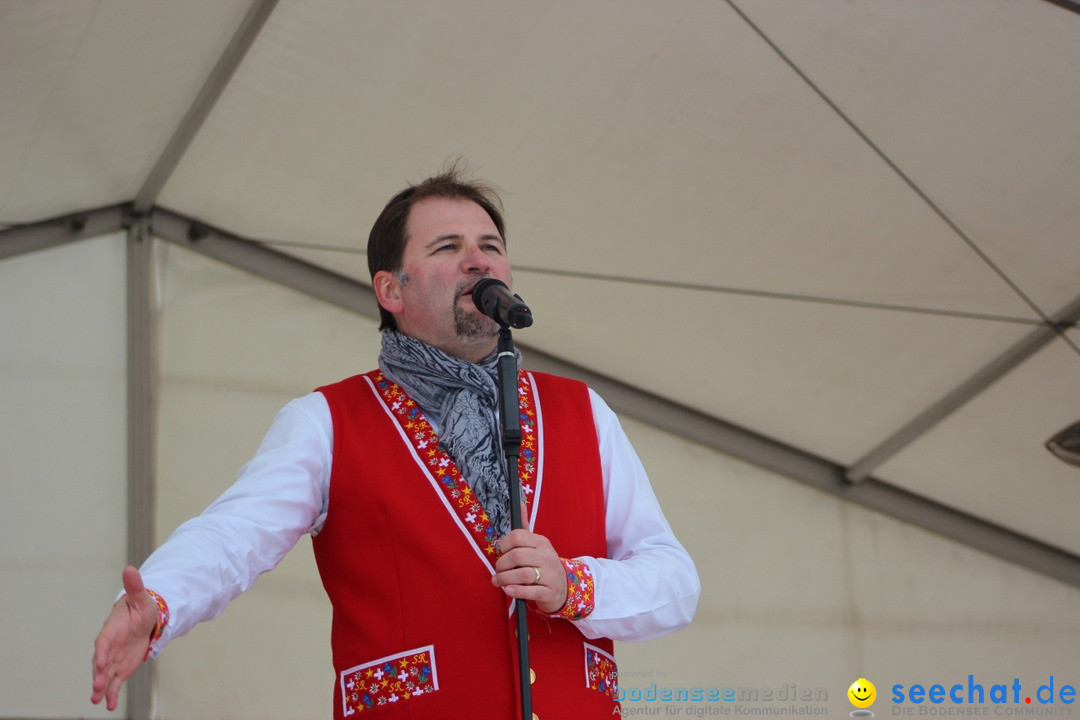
(386, 242)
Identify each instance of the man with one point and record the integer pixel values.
(398, 476)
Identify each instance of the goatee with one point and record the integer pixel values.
(470, 325)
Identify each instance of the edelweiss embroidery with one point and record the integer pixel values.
(389, 680)
(430, 450)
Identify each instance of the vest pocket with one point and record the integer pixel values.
(391, 679)
(601, 672)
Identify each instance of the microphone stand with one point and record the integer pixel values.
(509, 413)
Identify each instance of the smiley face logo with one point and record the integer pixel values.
(862, 693)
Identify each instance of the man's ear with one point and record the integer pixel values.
(387, 291)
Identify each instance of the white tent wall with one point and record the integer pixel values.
(63, 517)
(799, 587)
(235, 349)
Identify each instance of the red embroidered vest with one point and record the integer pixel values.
(406, 558)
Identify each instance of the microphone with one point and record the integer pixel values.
(495, 300)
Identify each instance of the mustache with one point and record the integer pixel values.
(465, 287)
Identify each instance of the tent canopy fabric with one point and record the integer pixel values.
(837, 238)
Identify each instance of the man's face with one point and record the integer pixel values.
(450, 244)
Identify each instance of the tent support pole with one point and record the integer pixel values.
(141, 426)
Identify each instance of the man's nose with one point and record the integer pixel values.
(475, 260)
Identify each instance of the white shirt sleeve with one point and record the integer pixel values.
(278, 496)
(648, 585)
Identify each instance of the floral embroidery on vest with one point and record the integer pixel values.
(601, 672)
(389, 679)
(445, 471)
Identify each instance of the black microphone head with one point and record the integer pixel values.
(483, 289)
(485, 297)
(493, 298)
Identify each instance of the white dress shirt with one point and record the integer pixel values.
(647, 587)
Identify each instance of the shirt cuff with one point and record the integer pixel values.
(580, 591)
(163, 616)
(162, 621)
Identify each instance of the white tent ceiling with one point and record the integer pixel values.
(810, 220)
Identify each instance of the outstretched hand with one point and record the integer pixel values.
(122, 644)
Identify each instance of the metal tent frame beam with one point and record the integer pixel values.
(965, 391)
(714, 433)
(267, 263)
(204, 102)
(60, 231)
(354, 296)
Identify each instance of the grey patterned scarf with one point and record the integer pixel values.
(460, 398)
